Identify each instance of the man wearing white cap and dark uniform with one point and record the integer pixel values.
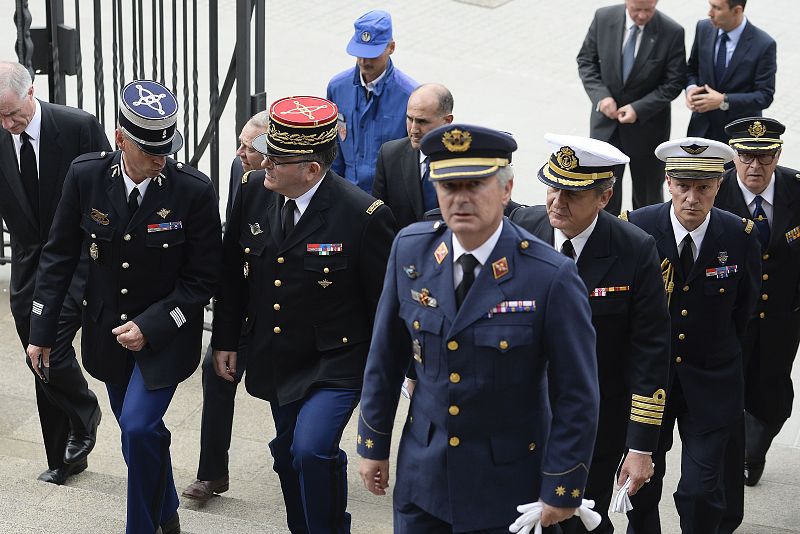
(710, 261)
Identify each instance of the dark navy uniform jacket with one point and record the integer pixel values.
(158, 269)
(308, 301)
(774, 330)
(709, 310)
(619, 265)
(505, 406)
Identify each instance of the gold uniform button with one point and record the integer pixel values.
(326, 270)
(685, 289)
(179, 165)
(277, 329)
(277, 283)
(276, 307)
(684, 313)
(452, 344)
(125, 264)
(454, 441)
(281, 259)
(455, 378)
(762, 315)
(681, 336)
(765, 277)
(503, 344)
(678, 359)
(531, 446)
(123, 291)
(127, 237)
(415, 324)
(722, 291)
(764, 297)
(454, 410)
(524, 245)
(765, 257)
(247, 250)
(344, 340)
(123, 317)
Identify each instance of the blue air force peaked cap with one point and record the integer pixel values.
(373, 31)
(466, 152)
(148, 114)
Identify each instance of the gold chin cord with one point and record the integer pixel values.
(668, 273)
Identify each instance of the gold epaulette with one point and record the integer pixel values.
(648, 410)
(623, 215)
(748, 225)
(245, 175)
(375, 205)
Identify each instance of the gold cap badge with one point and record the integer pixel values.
(566, 158)
(457, 140)
(757, 129)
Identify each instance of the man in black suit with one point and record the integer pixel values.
(632, 65)
(218, 394)
(619, 265)
(402, 178)
(151, 228)
(710, 261)
(731, 70)
(305, 253)
(38, 142)
(760, 189)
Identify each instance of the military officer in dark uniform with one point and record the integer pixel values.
(619, 265)
(152, 231)
(759, 189)
(711, 270)
(304, 257)
(493, 320)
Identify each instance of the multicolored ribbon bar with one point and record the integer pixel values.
(165, 226)
(720, 272)
(513, 306)
(604, 291)
(324, 249)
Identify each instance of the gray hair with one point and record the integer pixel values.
(14, 77)
(604, 185)
(504, 175)
(260, 120)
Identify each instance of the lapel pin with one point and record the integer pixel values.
(500, 268)
(722, 257)
(163, 212)
(411, 271)
(246, 269)
(440, 253)
(94, 251)
(99, 217)
(255, 229)
(325, 283)
(424, 297)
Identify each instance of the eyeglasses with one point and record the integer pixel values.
(270, 162)
(763, 159)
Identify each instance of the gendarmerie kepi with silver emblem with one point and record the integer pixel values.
(299, 125)
(755, 134)
(579, 163)
(465, 151)
(373, 31)
(148, 115)
(694, 158)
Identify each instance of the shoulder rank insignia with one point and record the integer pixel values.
(99, 217)
(500, 268)
(424, 297)
(411, 271)
(163, 212)
(793, 234)
(255, 229)
(440, 253)
(623, 215)
(748, 225)
(375, 205)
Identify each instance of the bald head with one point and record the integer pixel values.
(429, 106)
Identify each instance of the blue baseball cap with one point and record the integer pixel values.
(373, 33)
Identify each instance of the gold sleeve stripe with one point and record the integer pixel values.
(646, 413)
(375, 205)
(646, 420)
(659, 398)
(647, 406)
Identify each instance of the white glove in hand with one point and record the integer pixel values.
(532, 513)
(622, 502)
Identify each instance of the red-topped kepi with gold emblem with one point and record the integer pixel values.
(299, 125)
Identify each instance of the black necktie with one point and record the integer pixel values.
(288, 217)
(133, 201)
(628, 54)
(568, 250)
(762, 223)
(687, 256)
(722, 59)
(468, 264)
(29, 171)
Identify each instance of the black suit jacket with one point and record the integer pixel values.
(658, 75)
(774, 331)
(66, 133)
(308, 314)
(160, 280)
(632, 325)
(709, 314)
(398, 182)
(749, 79)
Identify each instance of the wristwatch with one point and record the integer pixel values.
(725, 104)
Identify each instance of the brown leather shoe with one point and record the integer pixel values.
(203, 490)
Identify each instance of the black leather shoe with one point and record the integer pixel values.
(752, 472)
(60, 475)
(79, 445)
(173, 526)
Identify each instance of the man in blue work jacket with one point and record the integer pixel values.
(371, 97)
(499, 328)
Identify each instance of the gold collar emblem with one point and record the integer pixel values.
(457, 140)
(757, 129)
(566, 158)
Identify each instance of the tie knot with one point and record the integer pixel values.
(687, 242)
(134, 194)
(290, 204)
(24, 136)
(468, 262)
(568, 249)
(634, 29)
(723, 38)
(759, 200)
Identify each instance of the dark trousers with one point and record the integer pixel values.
(152, 499)
(647, 176)
(65, 403)
(700, 497)
(410, 519)
(217, 420)
(309, 463)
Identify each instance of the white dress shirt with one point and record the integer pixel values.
(629, 24)
(680, 232)
(767, 194)
(733, 39)
(130, 184)
(481, 254)
(578, 242)
(303, 201)
(34, 131)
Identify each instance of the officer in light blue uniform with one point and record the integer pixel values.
(371, 97)
(498, 327)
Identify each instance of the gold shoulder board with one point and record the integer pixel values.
(375, 205)
(245, 175)
(624, 215)
(748, 227)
